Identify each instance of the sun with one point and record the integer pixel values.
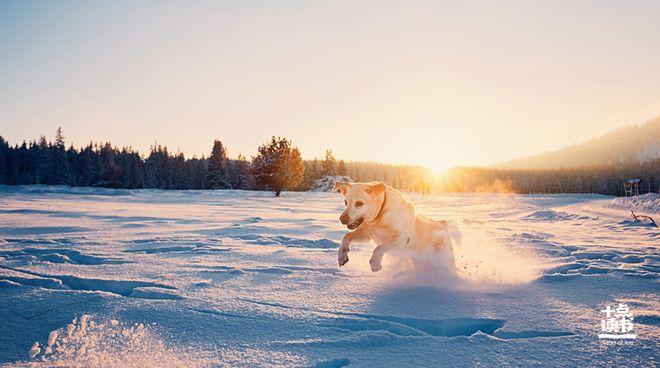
(438, 170)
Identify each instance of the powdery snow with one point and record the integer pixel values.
(108, 278)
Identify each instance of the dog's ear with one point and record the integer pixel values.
(341, 186)
(376, 188)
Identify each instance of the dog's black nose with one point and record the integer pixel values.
(344, 219)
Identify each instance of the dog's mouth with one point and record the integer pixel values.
(354, 225)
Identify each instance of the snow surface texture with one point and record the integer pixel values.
(647, 203)
(99, 277)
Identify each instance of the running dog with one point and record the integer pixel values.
(378, 212)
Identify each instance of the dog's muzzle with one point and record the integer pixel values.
(355, 224)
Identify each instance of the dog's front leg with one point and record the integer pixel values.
(355, 235)
(379, 251)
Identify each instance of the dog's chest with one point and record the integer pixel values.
(382, 234)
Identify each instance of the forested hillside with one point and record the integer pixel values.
(623, 146)
(607, 179)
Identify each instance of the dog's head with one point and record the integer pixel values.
(363, 202)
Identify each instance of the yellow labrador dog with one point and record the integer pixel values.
(378, 212)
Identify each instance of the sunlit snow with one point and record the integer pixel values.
(105, 277)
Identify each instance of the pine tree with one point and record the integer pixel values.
(138, 167)
(217, 168)
(131, 167)
(157, 168)
(312, 173)
(278, 166)
(23, 171)
(178, 169)
(329, 165)
(5, 162)
(58, 163)
(110, 174)
(87, 174)
(197, 171)
(239, 173)
(341, 168)
(59, 138)
(72, 163)
(40, 156)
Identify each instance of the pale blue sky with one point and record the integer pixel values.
(429, 82)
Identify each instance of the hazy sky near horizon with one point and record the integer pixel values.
(422, 82)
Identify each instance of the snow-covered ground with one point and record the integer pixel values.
(649, 202)
(230, 278)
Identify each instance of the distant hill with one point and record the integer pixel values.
(627, 145)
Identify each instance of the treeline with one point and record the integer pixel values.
(607, 179)
(104, 165)
(403, 177)
(277, 166)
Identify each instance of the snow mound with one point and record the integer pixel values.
(647, 202)
(550, 215)
(326, 184)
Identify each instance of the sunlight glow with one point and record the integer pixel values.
(438, 171)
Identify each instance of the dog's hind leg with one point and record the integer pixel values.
(358, 235)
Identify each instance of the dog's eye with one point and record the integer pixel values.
(345, 203)
(359, 204)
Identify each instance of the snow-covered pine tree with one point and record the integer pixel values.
(278, 165)
(217, 168)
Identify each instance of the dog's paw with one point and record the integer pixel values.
(342, 258)
(375, 265)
